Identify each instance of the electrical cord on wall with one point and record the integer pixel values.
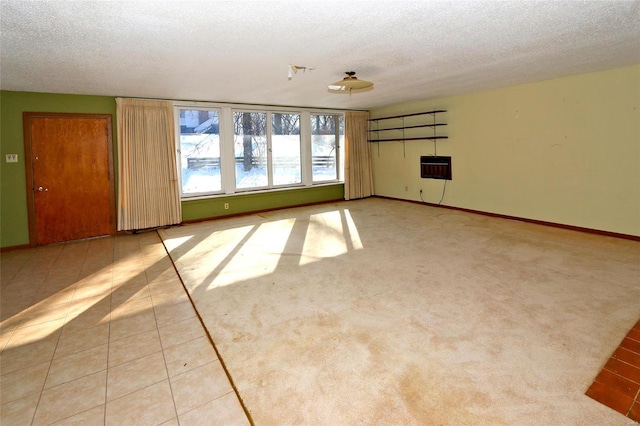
(444, 187)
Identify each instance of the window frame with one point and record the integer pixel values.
(339, 148)
(227, 151)
(268, 153)
(270, 166)
(270, 150)
(178, 132)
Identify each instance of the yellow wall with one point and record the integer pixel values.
(565, 151)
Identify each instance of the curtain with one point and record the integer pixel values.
(358, 180)
(148, 192)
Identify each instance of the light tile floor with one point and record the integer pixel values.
(101, 332)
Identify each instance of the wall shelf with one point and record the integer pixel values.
(410, 139)
(409, 127)
(389, 138)
(437, 111)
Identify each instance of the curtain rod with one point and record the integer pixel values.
(232, 104)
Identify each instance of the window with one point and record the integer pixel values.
(250, 147)
(200, 151)
(327, 134)
(285, 147)
(226, 150)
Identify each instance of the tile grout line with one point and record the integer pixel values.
(106, 378)
(634, 399)
(33, 418)
(204, 404)
(215, 348)
(22, 266)
(11, 333)
(64, 323)
(155, 318)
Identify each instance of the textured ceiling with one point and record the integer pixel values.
(239, 51)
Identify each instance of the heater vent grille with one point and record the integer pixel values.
(435, 167)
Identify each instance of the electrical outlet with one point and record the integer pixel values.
(11, 158)
(226, 206)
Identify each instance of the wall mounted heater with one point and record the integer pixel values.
(435, 167)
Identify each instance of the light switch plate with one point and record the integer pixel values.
(12, 158)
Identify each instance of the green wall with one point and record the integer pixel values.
(250, 202)
(14, 226)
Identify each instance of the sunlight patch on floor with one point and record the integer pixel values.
(330, 234)
(262, 250)
(265, 246)
(172, 243)
(47, 316)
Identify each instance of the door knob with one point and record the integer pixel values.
(41, 189)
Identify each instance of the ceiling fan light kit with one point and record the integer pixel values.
(350, 84)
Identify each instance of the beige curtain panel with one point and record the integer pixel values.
(358, 180)
(148, 195)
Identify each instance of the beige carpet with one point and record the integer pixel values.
(385, 312)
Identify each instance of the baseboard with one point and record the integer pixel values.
(12, 248)
(523, 219)
(26, 246)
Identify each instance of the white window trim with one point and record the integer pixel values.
(226, 137)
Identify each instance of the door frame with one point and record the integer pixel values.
(26, 122)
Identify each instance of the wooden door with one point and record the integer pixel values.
(70, 184)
